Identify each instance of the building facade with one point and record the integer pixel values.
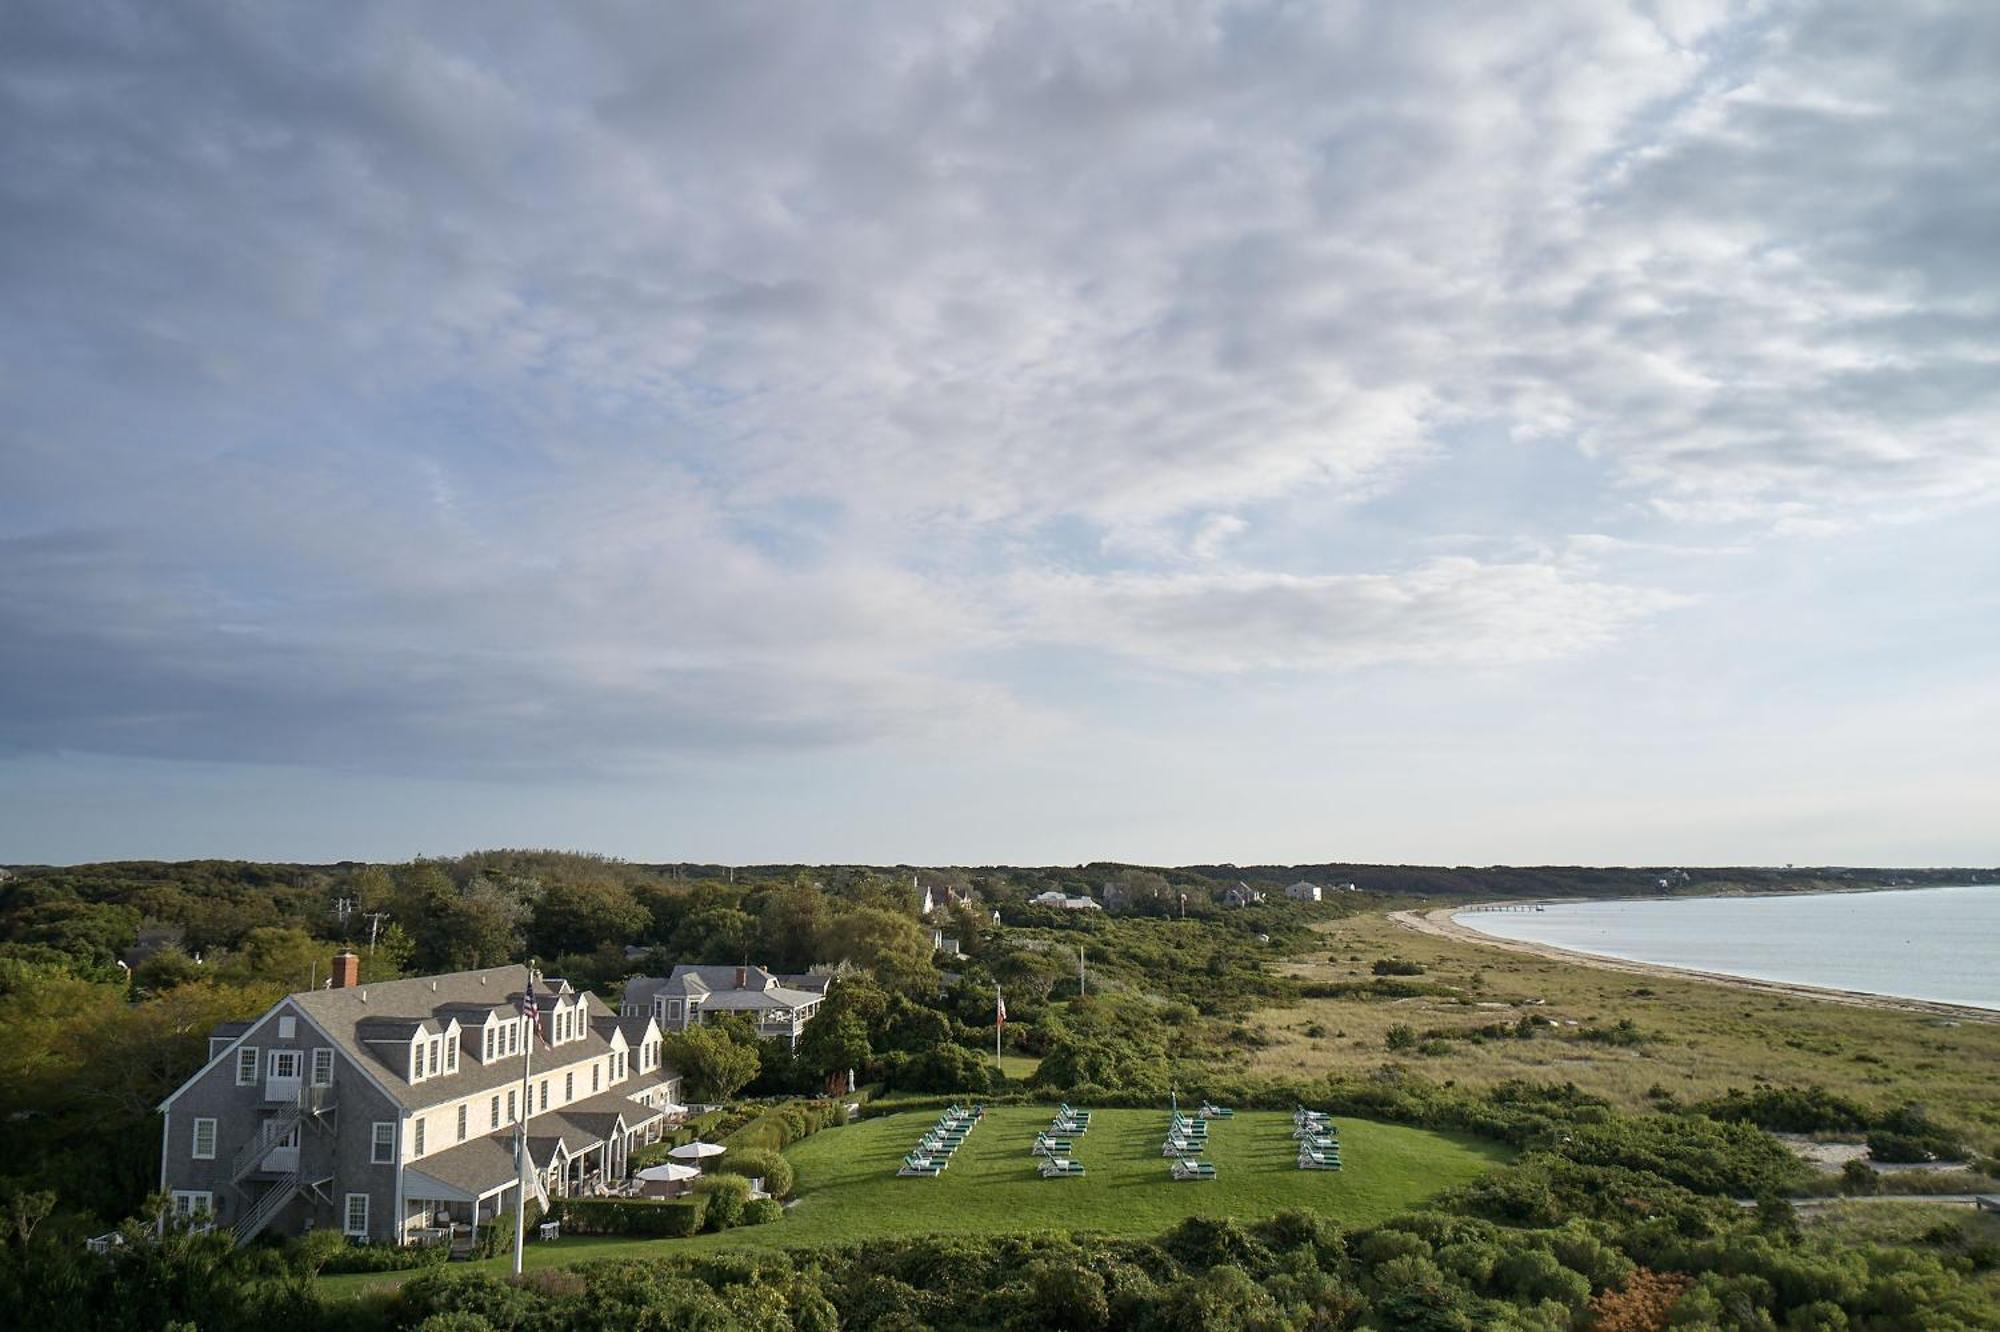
(391, 1109)
(780, 1006)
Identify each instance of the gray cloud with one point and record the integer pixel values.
(456, 382)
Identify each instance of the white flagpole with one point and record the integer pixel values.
(997, 1008)
(521, 1142)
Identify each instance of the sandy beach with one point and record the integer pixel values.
(1438, 921)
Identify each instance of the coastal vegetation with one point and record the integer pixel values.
(1531, 1143)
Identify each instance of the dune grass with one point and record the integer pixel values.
(848, 1189)
(1701, 1038)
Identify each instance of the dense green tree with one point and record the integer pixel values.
(287, 958)
(164, 968)
(583, 916)
(714, 1064)
(790, 927)
(715, 936)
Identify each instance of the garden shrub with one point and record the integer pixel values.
(762, 1211)
(351, 1257)
(726, 1196)
(756, 1163)
(667, 1217)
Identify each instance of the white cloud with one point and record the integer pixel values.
(720, 376)
(1450, 612)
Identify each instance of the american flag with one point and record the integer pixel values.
(530, 1010)
(999, 1008)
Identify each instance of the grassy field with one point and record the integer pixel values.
(848, 1188)
(1704, 1037)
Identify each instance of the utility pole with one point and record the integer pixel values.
(375, 919)
(1079, 971)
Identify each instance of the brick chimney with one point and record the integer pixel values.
(346, 971)
(742, 978)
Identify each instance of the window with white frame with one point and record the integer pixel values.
(246, 1065)
(288, 1027)
(462, 1116)
(494, 1112)
(322, 1066)
(569, 1087)
(204, 1140)
(417, 1145)
(513, 1107)
(545, 1093)
(193, 1203)
(486, 1044)
(382, 1150)
(284, 1064)
(596, 1075)
(451, 1052)
(354, 1216)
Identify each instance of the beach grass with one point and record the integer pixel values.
(1699, 1038)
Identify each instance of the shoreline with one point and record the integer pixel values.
(1438, 922)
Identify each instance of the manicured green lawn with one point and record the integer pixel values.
(848, 1188)
(1020, 1067)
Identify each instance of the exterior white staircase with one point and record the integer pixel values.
(252, 1222)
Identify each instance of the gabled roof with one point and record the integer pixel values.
(356, 1019)
(757, 1001)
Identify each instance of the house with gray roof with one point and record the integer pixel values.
(392, 1109)
(780, 1006)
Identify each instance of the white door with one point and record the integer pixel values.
(284, 1154)
(281, 1076)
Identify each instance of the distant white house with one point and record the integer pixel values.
(1242, 895)
(1303, 892)
(945, 944)
(1065, 901)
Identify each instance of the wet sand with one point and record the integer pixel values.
(1438, 921)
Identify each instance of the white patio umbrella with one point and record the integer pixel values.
(669, 1171)
(695, 1151)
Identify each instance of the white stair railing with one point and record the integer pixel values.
(253, 1222)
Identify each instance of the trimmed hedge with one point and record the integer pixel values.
(726, 1195)
(671, 1217)
(351, 1257)
(782, 1125)
(756, 1163)
(762, 1211)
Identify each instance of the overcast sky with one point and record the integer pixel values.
(1020, 432)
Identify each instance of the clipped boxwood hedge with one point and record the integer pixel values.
(671, 1217)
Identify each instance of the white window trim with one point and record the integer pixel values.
(418, 1137)
(464, 1120)
(187, 1202)
(194, 1143)
(347, 1226)
(376, 1144)
(247, 1056)
(271, 1063)
(325, 1053)
(451, 1054)
(288, 1027)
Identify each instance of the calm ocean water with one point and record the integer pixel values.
(1918, 943)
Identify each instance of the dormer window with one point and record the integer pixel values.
(451, 1053)
(487, 1049)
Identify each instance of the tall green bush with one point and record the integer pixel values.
(757, 1163)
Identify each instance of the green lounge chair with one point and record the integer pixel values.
(921, 1165)
(1048, 1146)
(1186, 1169)
(1058, 1167)
(1211, 1111)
